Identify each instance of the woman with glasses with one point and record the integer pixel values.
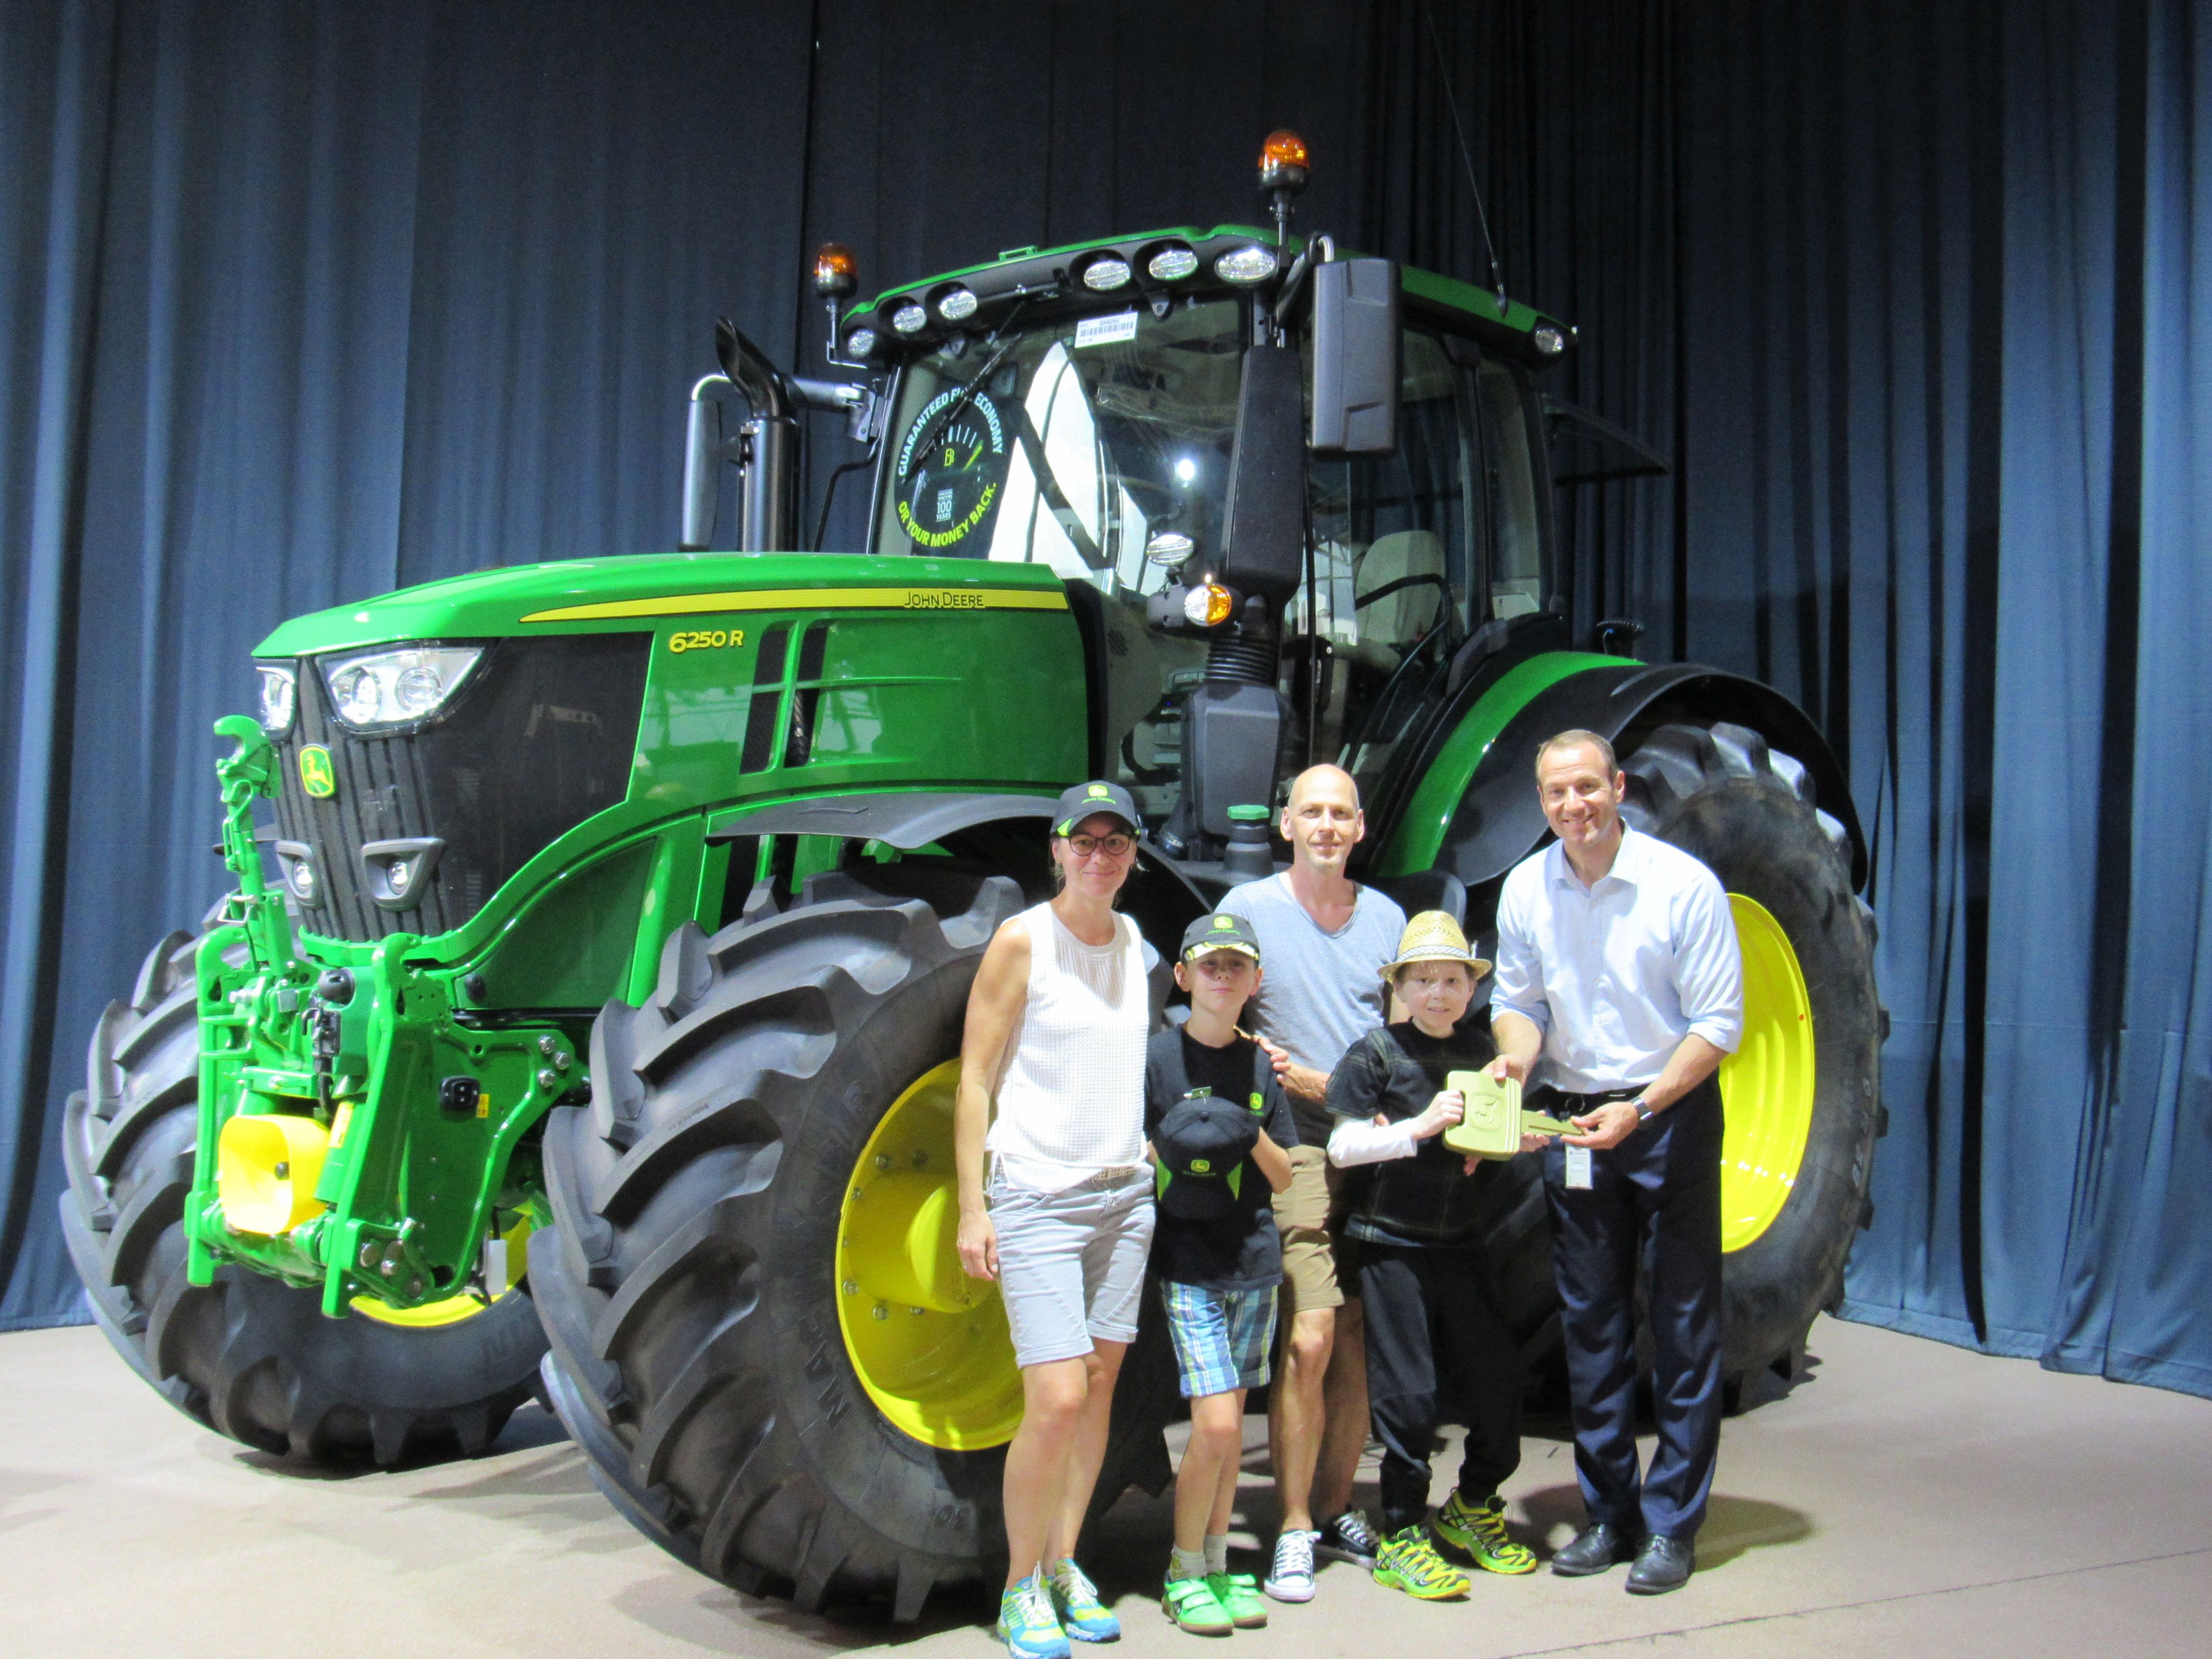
(1057, 1023)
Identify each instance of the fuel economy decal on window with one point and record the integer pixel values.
(951, 467)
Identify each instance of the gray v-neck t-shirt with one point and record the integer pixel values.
(1320, 992)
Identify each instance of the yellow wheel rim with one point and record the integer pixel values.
(1767, 1083)
(929, 1343)
(454, 1309)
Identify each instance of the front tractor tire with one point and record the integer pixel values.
(761, 1337)
(249, 1356)
(1802, 1093)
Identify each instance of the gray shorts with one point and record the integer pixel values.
(1072, 1264)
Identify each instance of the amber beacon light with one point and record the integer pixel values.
(1283, 161)
(836, 272)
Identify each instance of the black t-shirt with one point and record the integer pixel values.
(1240, 1251)
(1427, 1199)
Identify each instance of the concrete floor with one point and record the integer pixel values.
(1904, 1499)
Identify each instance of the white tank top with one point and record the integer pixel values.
(1070, 1098)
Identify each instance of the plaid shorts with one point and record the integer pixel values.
(1221, 1337)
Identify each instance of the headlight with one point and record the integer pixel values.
(1106, 274)
(957, 307)
(1248, 264)
(860, 341)
(1549, 340)
(1172, 264)
(397, 688)
(277, 699)
(909, 319)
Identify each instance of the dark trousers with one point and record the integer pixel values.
(1434, 1333)
(1657, 1193)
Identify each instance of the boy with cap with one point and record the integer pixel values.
(1412, 1232)
(1218, 1126)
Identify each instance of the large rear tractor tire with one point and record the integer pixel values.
(1802, 1094)
(762, 1336)
(249, 1356)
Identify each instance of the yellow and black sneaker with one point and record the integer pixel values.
(1478, 1531)
(1408, 1562)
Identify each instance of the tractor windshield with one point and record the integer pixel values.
(1072, 444)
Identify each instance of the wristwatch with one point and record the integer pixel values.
(1645, 1111)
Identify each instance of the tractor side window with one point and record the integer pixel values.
(1516, 572)
(1394, 538)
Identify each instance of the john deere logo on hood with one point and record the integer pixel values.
(317, 775)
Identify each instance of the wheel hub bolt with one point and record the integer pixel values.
(921, 1160)
(882, 1160)
(549, 1079)
(546, 1043)
(849, 1288)
(882, 1312)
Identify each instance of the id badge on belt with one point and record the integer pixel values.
(1578, 1168)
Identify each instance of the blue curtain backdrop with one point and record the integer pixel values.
(302, 302)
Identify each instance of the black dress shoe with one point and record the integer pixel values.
(1595, 1549)
(1665, 1564)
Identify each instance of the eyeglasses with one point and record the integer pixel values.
(1116, 846)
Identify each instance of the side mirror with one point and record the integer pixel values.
(702, 472)
(1356, 351)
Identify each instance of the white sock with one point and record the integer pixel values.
(1187, 1564)
(1217, 1551)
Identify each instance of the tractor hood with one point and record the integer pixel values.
(620, 594)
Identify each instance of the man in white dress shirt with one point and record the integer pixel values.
(1618, 969)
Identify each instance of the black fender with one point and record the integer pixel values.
(1499, 821)
(1161, 900)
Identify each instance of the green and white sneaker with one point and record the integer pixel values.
(1409, 1563)
(1193, 1605)
(1075, 1599)
(1478, 1531)
(1292, 1577)
(1239, 1596)
(1026, 1624)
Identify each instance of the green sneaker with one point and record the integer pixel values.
(1409, 1563)
(1239, 1596)
(1478, 1531)
(1192, 1604)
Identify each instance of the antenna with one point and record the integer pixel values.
(1497, 276)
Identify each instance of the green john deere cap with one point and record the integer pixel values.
(1087, 800)
(1219, 931)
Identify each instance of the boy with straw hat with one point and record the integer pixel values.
(1412, 1242)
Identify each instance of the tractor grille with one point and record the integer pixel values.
(540, 739)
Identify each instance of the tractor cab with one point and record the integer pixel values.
(1292, 494)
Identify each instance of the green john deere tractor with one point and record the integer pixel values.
(586, 1019)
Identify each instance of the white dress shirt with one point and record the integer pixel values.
(1616, 974)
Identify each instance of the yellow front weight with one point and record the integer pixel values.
(265, 1170)
(1767, 1083)
(929, 1344)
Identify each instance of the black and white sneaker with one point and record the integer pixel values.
(1349, 1537)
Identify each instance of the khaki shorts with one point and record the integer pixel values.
(1301, 1219)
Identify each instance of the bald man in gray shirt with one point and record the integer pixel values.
(1324, 938)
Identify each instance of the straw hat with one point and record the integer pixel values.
(1433, 936)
